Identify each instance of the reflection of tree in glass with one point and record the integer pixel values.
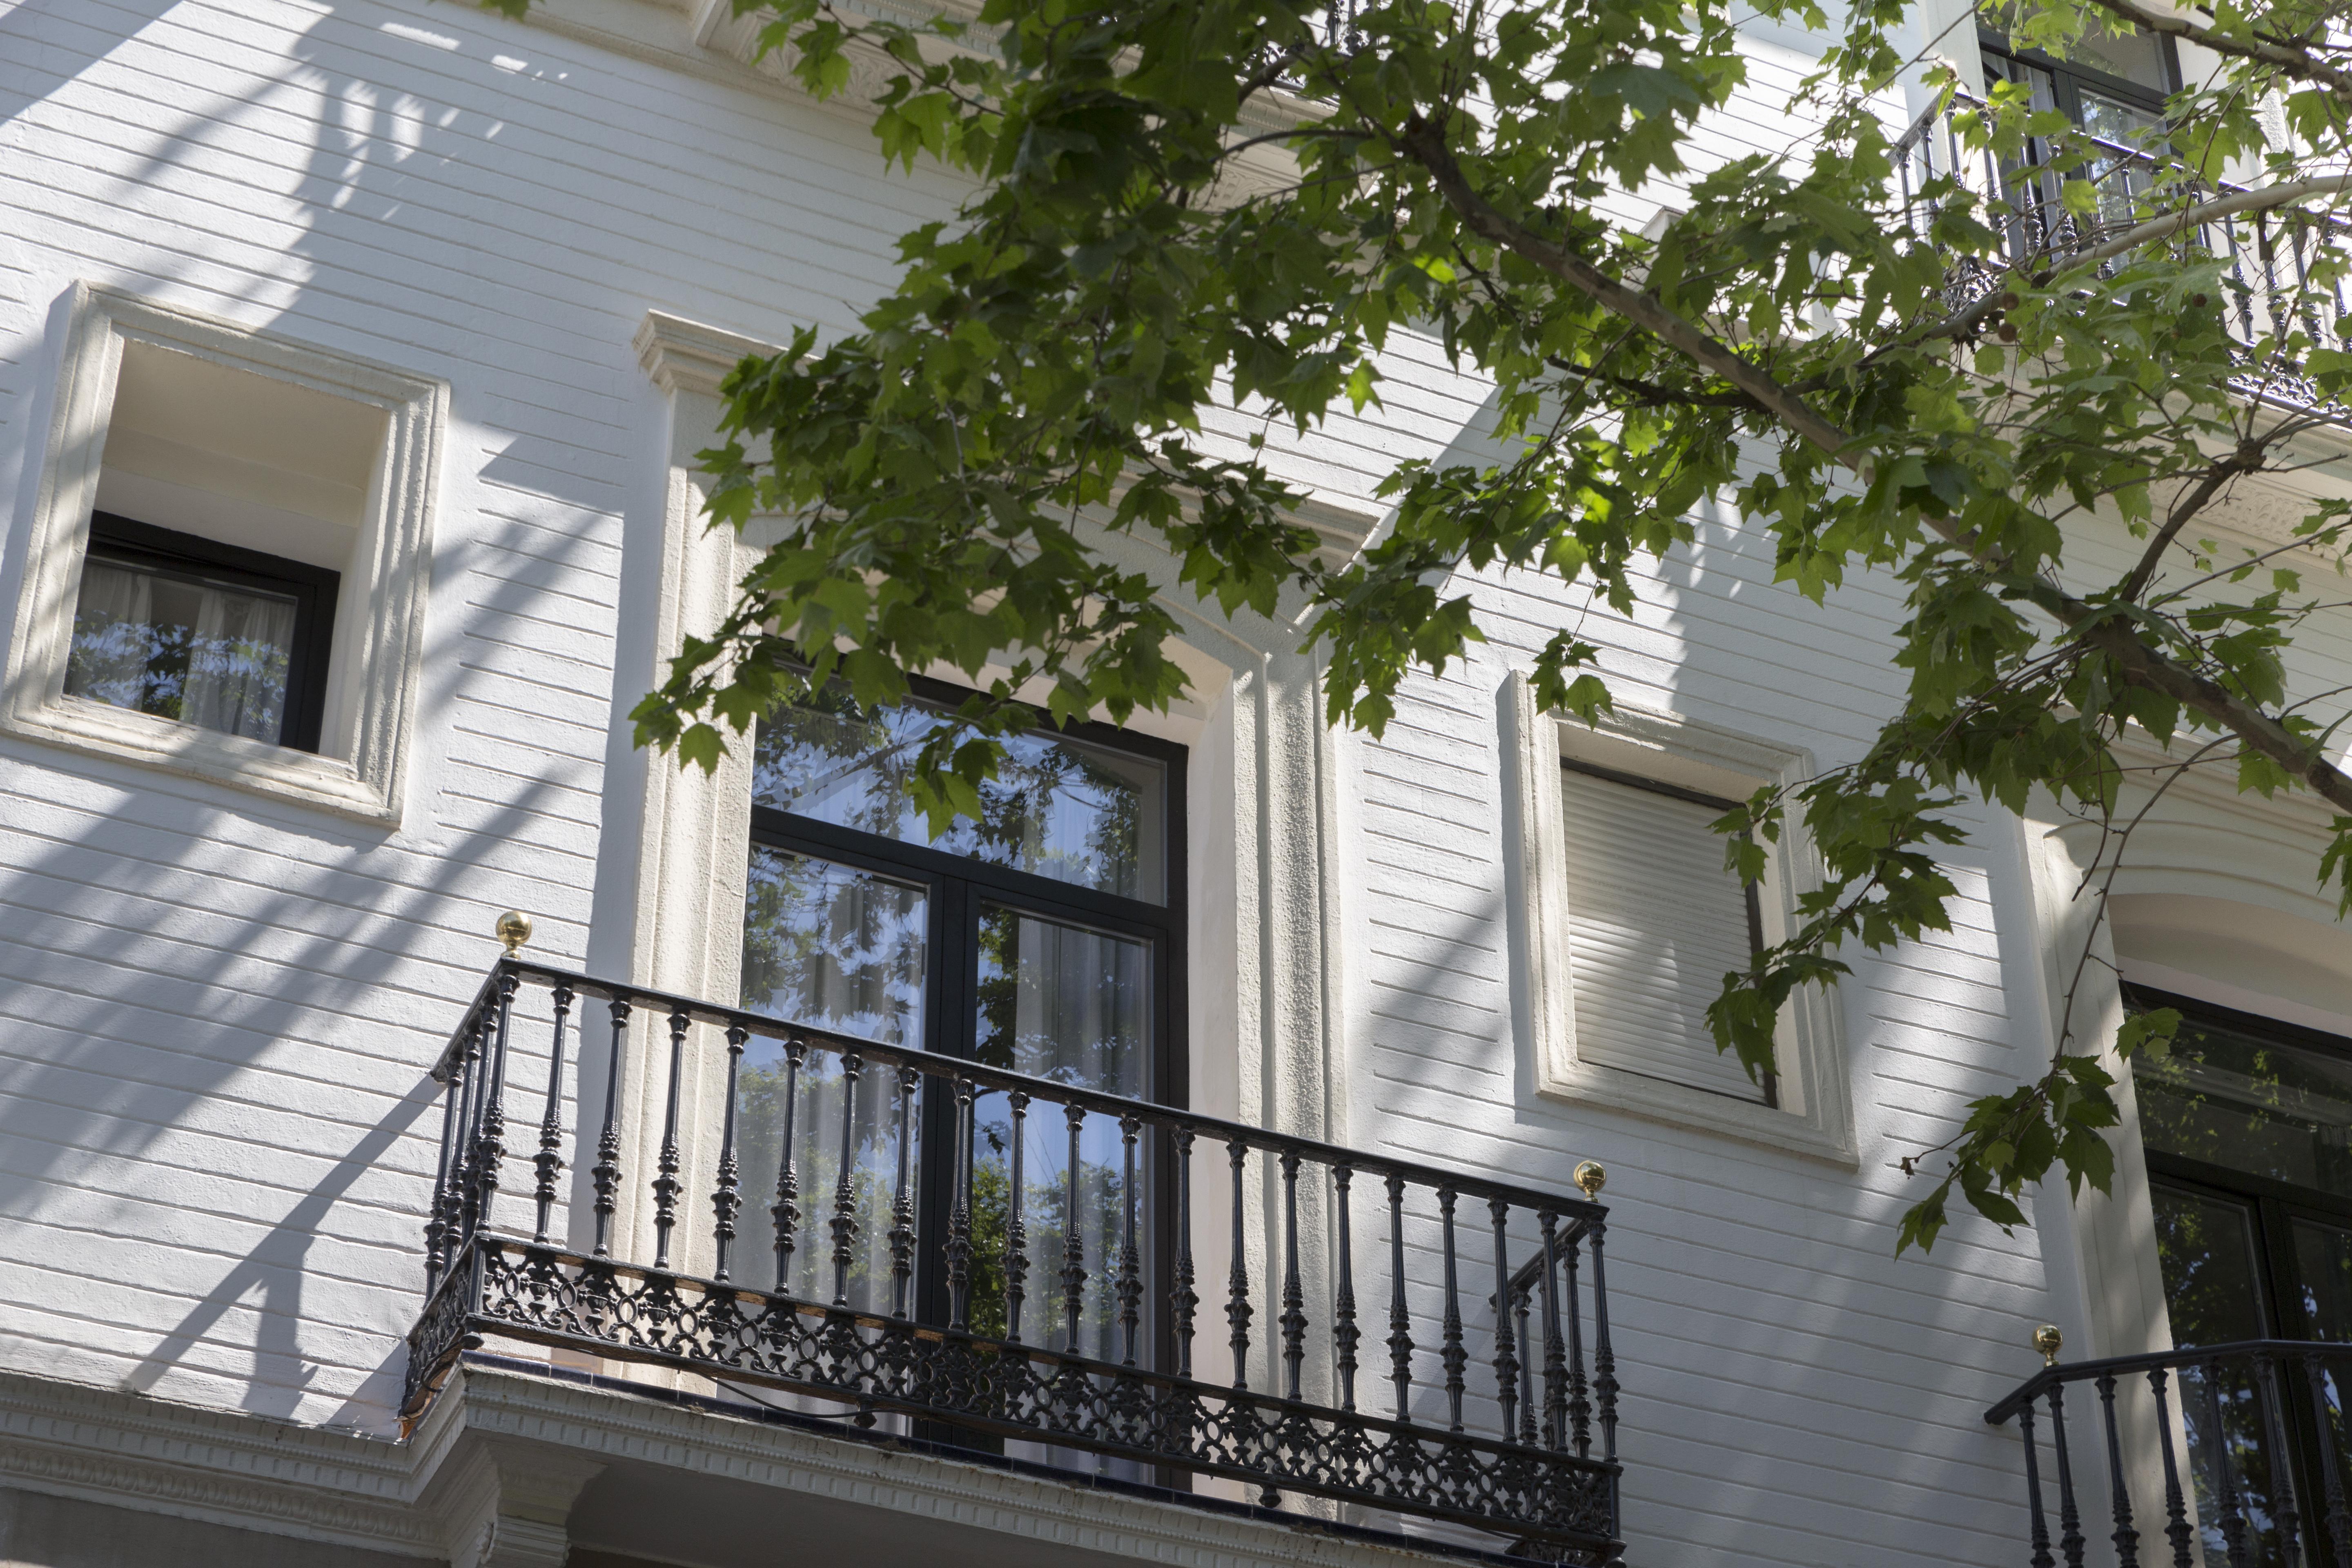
(1056, 808)
(2206, 1248)
(833, 947)
(1045, 1214)
(817, 1151)
(2238, 1100)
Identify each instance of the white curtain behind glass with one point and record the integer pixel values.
(236, 665)
(113, 636)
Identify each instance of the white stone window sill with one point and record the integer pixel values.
(99, 729)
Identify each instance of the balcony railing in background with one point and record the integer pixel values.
(2269, 257)
(2226, 1454)
(967, 1296)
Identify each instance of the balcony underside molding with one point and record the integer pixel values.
(519, 1290)
(228, 1467)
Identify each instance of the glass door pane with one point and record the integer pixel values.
(2213, 1290)
(1065, 1003)
(839, 949)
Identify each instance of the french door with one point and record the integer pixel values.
(1044, 936)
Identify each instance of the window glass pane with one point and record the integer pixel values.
(1654, 923)
(1059, 808)
(840, 949)
(183, 648)
(2238, 1099)
(2323, 1260)
(2212, 1288)
(2137, 56)
(1070, 1004)
(834, 947)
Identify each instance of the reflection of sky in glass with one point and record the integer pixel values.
(833, 947)
(1057, 808)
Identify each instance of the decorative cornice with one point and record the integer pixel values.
(688, 356)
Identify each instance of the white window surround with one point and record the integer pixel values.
(1814, 1117)
(380, 611)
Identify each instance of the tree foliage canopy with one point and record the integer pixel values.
(1178, 207)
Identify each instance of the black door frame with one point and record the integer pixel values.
(955, 887)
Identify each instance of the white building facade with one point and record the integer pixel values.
(380, 335)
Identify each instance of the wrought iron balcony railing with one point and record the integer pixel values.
(2279, 265)
(2226, 1454)
(1003, 1260)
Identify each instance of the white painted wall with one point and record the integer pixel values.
(216, 1013)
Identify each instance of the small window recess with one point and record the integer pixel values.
(287, 487)
(1810, 1112)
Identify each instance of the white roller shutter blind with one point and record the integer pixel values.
(1654, 921)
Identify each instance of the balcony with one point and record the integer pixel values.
(944, 1250)
(2226, 1454)
(2281, 268)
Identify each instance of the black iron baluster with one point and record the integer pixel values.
(1184, 1299)
(1579, 1406)
(1400, 1339)
(1074, 1242)
(2126, 1538)
(1016, 1228)
(2224, 1483)
(902, 1198)
(1555, 1403)
(1453, 1357)
(491, 1144)
(2040, 1524)
(1507, 1349)
(2339, 1518)
(2175, 1507)
(2286, 1512)
(606, 1173)
(844, 1190)
(1522, 1307)
(786, 1210)
(1604, 1360)
(2070, 1517)
(1344, 1332)
(959, 1247)
(1293, 1298)
(550, 1158)
(473, 1071)
(726, 1197)
(1130, 1259)
(666, 1184)
(437, 1222)
(1237, 1305)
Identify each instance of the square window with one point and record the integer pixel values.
(1625, 920)
(226, 566)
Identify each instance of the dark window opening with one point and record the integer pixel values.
(202, 633)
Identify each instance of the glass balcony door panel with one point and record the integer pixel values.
(1073, 1005)
(819, 1146)
(2213, 1279)
(835, 947)
(1059, 808)
(838, 948)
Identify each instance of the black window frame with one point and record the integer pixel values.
(193, 558)
(2068, 78)
(955, 888)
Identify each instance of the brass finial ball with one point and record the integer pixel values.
(1591, 1177)
(513, 929)
(2047, 1339)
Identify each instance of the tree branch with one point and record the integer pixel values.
(2294, 62)
(2246, 459)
